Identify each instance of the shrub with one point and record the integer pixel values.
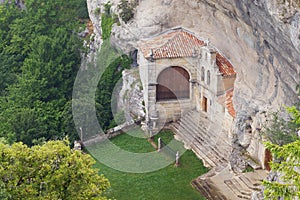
(126, 10)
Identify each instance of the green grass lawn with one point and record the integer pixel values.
(169, 183)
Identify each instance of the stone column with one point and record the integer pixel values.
(177, 159)
(159, 144)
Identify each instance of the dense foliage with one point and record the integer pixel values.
(113, 63)
(107, 20)
(280, 131)
(104, 95)
(288, 166)
(50, 171)
(39, 59)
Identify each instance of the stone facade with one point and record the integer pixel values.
(211, 78)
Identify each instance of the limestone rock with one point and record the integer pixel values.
(130, 98)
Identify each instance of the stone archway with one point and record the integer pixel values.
(173, 83)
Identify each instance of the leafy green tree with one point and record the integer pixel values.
(50, 171)
(287, 164)
(40, 54)
(280, 131)
(283, 131)
(4, 195)
(9, 63)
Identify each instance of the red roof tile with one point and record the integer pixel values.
(179, 43)
(229, 103)
(174, 44)
(225, 66)
(226, 101)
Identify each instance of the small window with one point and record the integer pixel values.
(208, 77)
(202, 74)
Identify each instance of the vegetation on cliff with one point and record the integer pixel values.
(285, 147)
(39, 56)
(114, 62)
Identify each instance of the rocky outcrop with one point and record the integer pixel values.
(130, 97)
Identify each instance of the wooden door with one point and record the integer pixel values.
(204, 104)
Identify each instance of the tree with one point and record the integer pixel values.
(280, 131)
(104, 93)
(50, 171)
(40, 54)
(286, 164)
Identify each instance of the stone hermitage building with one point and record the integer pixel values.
(182, 72)
(188, 86)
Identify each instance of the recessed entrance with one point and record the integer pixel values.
(173, 83)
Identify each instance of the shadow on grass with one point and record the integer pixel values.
(167, 183)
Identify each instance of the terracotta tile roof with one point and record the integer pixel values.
(229, 103)
(180, 43)
(225, 66)
(226, 100)
(176, 43)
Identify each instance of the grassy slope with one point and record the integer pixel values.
(168, 183)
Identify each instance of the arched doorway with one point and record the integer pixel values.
(173, 83)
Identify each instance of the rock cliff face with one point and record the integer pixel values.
(130, 97)
(261, 38)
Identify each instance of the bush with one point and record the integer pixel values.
(106, 24)
(126, 10)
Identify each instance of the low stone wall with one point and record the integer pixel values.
(111, 133)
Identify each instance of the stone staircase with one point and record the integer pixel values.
(212, 145)
(225, 185)
(204, 137)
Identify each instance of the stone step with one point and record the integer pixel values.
(207, 161)
(218, 146)
(235, 187)
(217, 160)
(253, 185)
(219, 141)
(252, 163)
(207, 190)
(259, 175)
(200, 144)
(215, 147)
(200, 130)
(209, 146)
